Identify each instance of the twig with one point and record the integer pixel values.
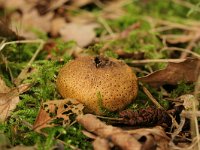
(182, 50)
(188, 114)
(150, 96)
(191, 45)
(157, 61)
(185, 4)
(109, 118)
(23, 73)
(106, 26)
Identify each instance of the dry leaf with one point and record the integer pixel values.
(101, 144)
(32, 20)
(80, 3)
(83, 34)
(152, 137)
(187, 71)
(116, 135)
(10, 99)
(7, 33)
(19, 4)
(56, 25)
(187, 101)
(3, 87)
(57, 109)
(113, 9)
(56, 4)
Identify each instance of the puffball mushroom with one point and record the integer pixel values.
(98, 82)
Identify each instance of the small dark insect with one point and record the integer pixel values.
(100, 61)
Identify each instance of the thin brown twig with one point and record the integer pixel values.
(150, 96)
(23, 73)
(191, 45)
(157, 61)
(182, 50)
(185, 4)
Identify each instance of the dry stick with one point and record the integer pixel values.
(188, 114)
(150, 96)
(181, 49)
(185, 4)
(176, 132)
(191, 45)
(64, 143)
(157, 61)
(177, 25)
(106, 26)
(109, 118)
(5, 61)
(24, 71)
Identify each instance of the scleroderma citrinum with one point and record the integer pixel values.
(86, 77)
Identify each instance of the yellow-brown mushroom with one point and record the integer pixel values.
(85, 78)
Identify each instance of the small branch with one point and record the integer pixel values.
(23, 73)
(150, 96)
(191, 45)
(185, 4)
(157, 61)
(182, 50)
(106, 26)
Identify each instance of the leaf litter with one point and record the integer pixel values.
(187, 71)
(48, 20)
(65, 110)
(9, 98)
(127, 140)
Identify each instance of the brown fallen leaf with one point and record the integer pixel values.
(57, 109)
(32, 20)
(186, 101)
(187, 71)
(83, 34)
(9, 99)
(116, 135)
(153, 138)
(101, 144)
(19, 4)
(3, 87)
(56, 25)
(80, 3)
(7, 33)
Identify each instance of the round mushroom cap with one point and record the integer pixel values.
(98, 83)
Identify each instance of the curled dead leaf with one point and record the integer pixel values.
(10, 99)
(3, 87)
(57, 109)
(154, 137)
(187, 71)
(116, 135)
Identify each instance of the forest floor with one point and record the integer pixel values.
(159, 40)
